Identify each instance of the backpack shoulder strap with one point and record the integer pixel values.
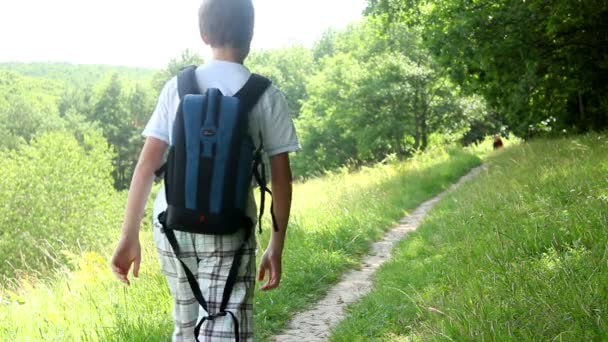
(249, 95)
(251, 92)
(186, 82)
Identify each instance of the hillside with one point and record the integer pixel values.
(334, 218)
(78, 75)
(517, 255)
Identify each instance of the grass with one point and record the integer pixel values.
(334, 219)
(519, 254)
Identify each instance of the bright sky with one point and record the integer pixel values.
(148, 33)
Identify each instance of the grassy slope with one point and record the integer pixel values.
(519, 254)
(334, 218)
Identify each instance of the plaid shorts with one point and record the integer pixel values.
(209, 257)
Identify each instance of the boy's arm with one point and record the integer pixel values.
(280, 171)
(150, 160)
(128, 251)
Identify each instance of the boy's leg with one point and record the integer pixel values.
(216, 254)
(212, 256)
(185, 306)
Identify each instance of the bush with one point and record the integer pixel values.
(56, 195)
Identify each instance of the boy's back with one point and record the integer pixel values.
(210, 257)
(227, 27)
(269, 118)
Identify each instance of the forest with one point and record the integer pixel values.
(412, 78)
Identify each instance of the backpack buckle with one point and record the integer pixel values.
(216, 315)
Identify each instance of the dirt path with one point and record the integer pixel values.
(315, 324)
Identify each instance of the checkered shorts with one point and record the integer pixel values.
(209, 257)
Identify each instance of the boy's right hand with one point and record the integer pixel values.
(127, 252)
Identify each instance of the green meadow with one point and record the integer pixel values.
(519, 254)
(334, 219)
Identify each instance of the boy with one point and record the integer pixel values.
(227, 27)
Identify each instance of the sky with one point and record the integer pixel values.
(148, 33)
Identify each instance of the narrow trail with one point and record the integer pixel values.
(315, 324)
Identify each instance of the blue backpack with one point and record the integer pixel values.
(209, 170)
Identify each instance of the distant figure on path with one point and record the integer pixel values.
(497, 142)
(240, 117)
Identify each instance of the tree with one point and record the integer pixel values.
(76, 100)
(186, 58)
(326, 144)
(141, 104)
(28, 107)
(121, 110)
(378, 93)
(288, 68)
(325, 45)
(531, 60)
(56, 194)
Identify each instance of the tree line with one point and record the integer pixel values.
(411, 74)
(355, 96)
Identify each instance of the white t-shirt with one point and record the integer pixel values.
(270, 116)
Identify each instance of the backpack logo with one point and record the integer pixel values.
(208, 132)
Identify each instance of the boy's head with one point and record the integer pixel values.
(227, 24)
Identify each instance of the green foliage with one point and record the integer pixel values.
(519, 254)
(481, 121)
(326, 145)
(187, 58)
(76, 75)
(76, 100)
(375, 93)
(27, 107)
(325, 45)
(121, 111)
(333, 220)
(141, 103)
(56, 195)
(288, 68)
(531, 60)
(119, 106)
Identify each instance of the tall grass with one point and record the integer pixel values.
(519, 254)
(334, 219)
